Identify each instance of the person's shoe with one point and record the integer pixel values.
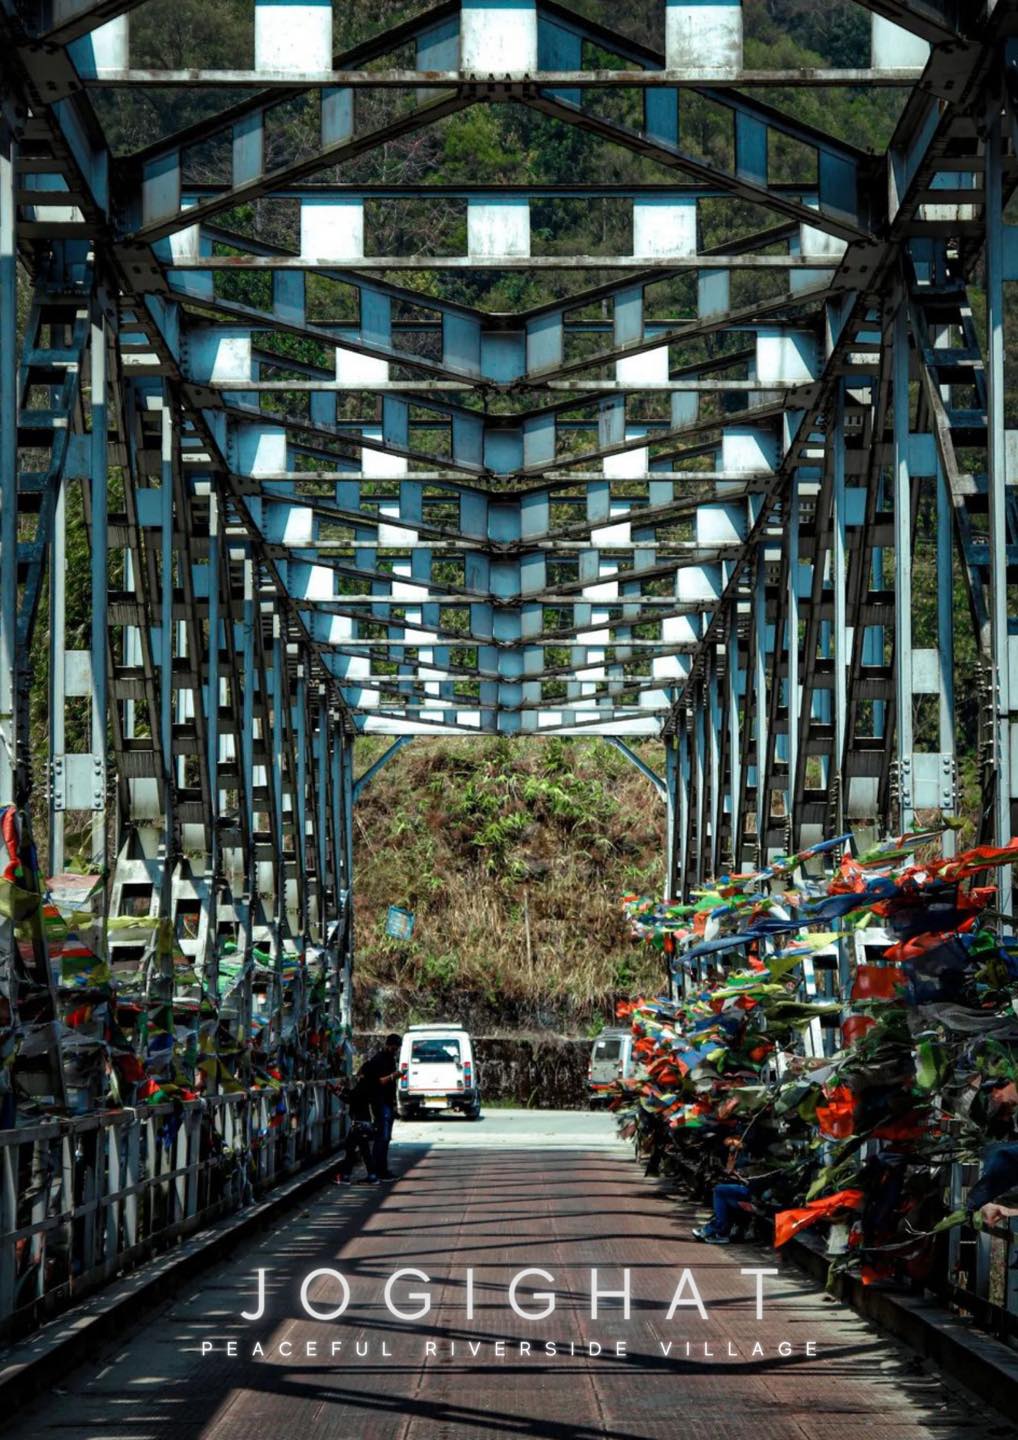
(700, 1233)
(342, 1180)
(716, 1239)
(371, 1180)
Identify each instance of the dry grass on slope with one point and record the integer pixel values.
(512, 856)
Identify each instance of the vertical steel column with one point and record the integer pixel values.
(840, 646)
(8, 468)
(166, 617)
(997, 484)
(672, 804)
(945, 645)
(700, 750)
(300, 802)
(685, 809)
(210, 970)
(763, 800)
(322, 779)
(248, 619)
(734, 732)
(98, 481)
(346, 1004)
(277, 721)
(672, 781)
(793, 698)
(717, 800)
(57, 671)
(338, 865)
(902, 566)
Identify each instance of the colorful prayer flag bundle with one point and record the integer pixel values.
(842, 1029)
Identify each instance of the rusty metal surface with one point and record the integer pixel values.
(500, 1211)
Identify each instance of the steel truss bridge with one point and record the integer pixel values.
(326, 495)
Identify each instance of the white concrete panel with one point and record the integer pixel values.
(699, 582)
(379, 464)
(106, 48)
(261, 449)
(895, 48)
(745, 449)
(405, 590)
(145, 799)
(680, 630)
(814, 242)
(636, 725)
(218, 355)
(391, 725)
(293, 35)
(355, 369)
(606, 590)
(498, 227)
(926, 677)
(703, 35)
(720, 524)
(397, 536)
(498, 37)
(332, 229)
(663, 226)
(785, 356)
(650, 365)
(628, 464)
(608, 535)
(298, 525)
(340, 628)
(321, 583)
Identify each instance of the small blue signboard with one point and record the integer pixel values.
(399, 924)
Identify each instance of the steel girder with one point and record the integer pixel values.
(327, 493)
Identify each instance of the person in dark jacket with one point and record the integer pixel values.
(360, 1135)
(380, 1073)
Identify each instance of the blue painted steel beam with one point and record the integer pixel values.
(645, 770)
(362, 781)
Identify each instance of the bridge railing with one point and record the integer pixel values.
(979, 1275)
(86, 1198)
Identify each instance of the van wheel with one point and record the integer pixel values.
(474, 1114)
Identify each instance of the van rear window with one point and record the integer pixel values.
(435, 1052)
(607, 1049)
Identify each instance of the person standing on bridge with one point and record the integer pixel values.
(361, 1134)
(379, 1074)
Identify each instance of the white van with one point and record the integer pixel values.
(437, 1072)
(611, 1059)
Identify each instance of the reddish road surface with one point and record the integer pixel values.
(515, 1192)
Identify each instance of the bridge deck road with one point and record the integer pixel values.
(516, 1191)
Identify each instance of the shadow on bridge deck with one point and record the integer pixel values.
(476, 1197)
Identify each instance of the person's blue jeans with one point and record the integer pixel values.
(727, 1208)
(383, 1116)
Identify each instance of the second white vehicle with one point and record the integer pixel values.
(437, 1071)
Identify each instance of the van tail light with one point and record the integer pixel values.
(404, 1083)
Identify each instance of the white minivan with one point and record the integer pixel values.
(437, 1072)
(611, 1059)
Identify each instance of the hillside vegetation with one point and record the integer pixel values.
(512, 857)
